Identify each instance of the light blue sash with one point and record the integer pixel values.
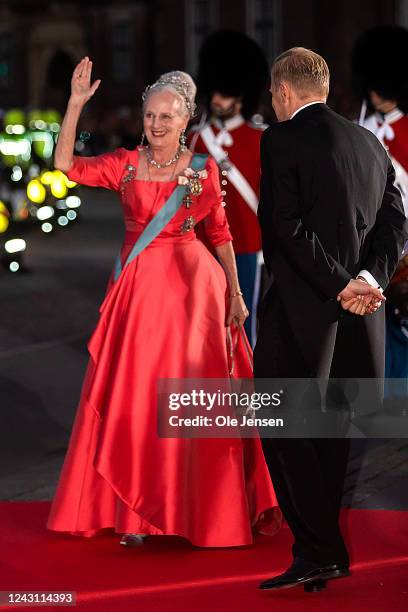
(161, 219)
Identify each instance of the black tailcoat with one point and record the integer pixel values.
(328, 209)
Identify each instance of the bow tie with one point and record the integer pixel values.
(224, 138)
(385, 131)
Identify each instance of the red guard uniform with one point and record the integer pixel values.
(234, 143)
(378, 65)
(240, 145)
(243, 147)
(398, 145)
(392, 131)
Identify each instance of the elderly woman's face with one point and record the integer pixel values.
(163, 119)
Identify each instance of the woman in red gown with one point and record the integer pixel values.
(164, 317)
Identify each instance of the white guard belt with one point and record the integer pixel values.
(234, 175)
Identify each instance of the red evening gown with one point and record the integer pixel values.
(163, 318)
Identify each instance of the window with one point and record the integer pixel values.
(264, 25)
(122, 51)
(201, 20)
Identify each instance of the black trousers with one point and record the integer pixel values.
(308, 474)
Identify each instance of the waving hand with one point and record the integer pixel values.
(81, 88)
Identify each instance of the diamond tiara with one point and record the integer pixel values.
(177, 83)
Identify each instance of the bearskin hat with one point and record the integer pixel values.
(232, 64)
(378, 64)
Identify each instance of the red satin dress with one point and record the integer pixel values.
(163, 318)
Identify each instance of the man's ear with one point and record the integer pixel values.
(284, 91)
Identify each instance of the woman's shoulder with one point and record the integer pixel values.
(213, 169)
(124, 161)
(126, 154)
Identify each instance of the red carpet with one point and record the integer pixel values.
(168, 574)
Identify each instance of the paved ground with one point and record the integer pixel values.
(47, 316)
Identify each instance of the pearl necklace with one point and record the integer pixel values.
(166, 164)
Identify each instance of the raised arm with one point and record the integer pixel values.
(81, 92)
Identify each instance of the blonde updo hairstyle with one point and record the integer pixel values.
(178, 82)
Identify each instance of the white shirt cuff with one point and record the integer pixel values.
(370, 279)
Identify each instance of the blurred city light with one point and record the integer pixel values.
(17, 173)
(15, 245)
(15, 148)
(71, 215)
(73, 202)
(45, 212)
(47, 177)
(14, 266)
(36, 191)
(59, 188)
(31, 191)
(4, 218)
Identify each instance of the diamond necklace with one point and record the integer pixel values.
(171, 177)
(166, 164)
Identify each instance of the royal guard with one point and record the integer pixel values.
(228, 130)
(381, 79)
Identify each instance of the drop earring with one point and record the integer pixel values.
(183, 140)
(142, 139)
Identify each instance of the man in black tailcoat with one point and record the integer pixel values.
(333, 230)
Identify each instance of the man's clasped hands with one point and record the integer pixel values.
(360, 298)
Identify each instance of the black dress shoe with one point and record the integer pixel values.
(306, 572)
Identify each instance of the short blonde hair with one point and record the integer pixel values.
(304, 69)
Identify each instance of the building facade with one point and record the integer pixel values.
(132, 42)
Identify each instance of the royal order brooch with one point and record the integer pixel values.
(130, 176)
(192, 181)
(187, 225)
